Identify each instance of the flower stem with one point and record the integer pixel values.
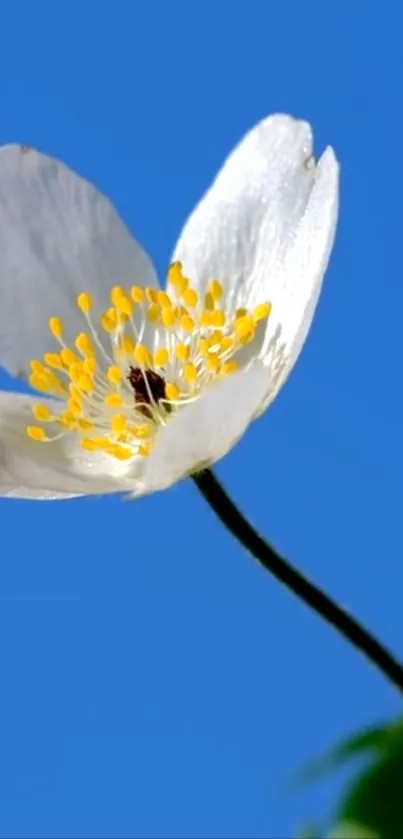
(283, 571)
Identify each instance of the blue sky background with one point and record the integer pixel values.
(165, 687)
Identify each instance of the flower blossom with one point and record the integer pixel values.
(137, 386)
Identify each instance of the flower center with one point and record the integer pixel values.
(148, 387)
(193, 343)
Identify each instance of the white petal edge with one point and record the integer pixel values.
(61, 469)
(205, 430)
(242, 227)
(305, 265)
(58, 236)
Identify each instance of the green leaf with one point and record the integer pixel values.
(352, 830)
(371, 741)
(375, 800)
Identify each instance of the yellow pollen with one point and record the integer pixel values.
(142, 432)
(53, 359)
(261, 312)
(217, 318)
(74, 406)
(187, 323)
(137, 294)
(38, 368)
(244, 327)
(141, 355)
(68, 357)
(123, 305)
(176, 277)
(118, 424)
(116, 293)
(205, 318)
(84, 424)
(113, 400)
(120, 452)
(41, 412)
(212, 362)
(209, 301)
(190, 372)
(144, 450)
(114, 375)
(85, 383)
(84, 303)
(36, 433)
(240, 312)
(75, 371)
(127, 344)
(56, 327)
(190, 297)
(216, 290)
(152, 295)
(90, 365)
(84, 344)
(182, 352)
(68, 420)
(168, 317)
(172, 391)
(164, 300)
(229, 367)
(38, 383)
(93, 444)
(226, 344)
(153, 312)
(202, 345)
(161, 357)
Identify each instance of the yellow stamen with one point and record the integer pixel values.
(141, 432)
(53, 359)
(244, 327)
(209, 301)
(68, 357)
(137, 294)
(190, 297)
(113, 400)
(84, 344)
(161, 357)
(187, 323)
(216, 290)
(168, 317)
(153, 312)
(261, 312)
(217, 318)
(172, 391)
(36, 433)
(152, 295)
(142, 355)
(56, 327)
(164, 300)
(182, 352)
(114, 375)
(84, 303)
(118, 424)
(229, 367)
(85, 383)
(190, 372)
(41, 412)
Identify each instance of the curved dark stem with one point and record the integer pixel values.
(283, 571)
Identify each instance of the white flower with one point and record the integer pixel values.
(138, 386)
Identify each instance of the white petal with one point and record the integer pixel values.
(58, 236)
(241, 229)
(29, 469)
(205, 430)
(265, 229)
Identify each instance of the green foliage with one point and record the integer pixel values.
(372, 806)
